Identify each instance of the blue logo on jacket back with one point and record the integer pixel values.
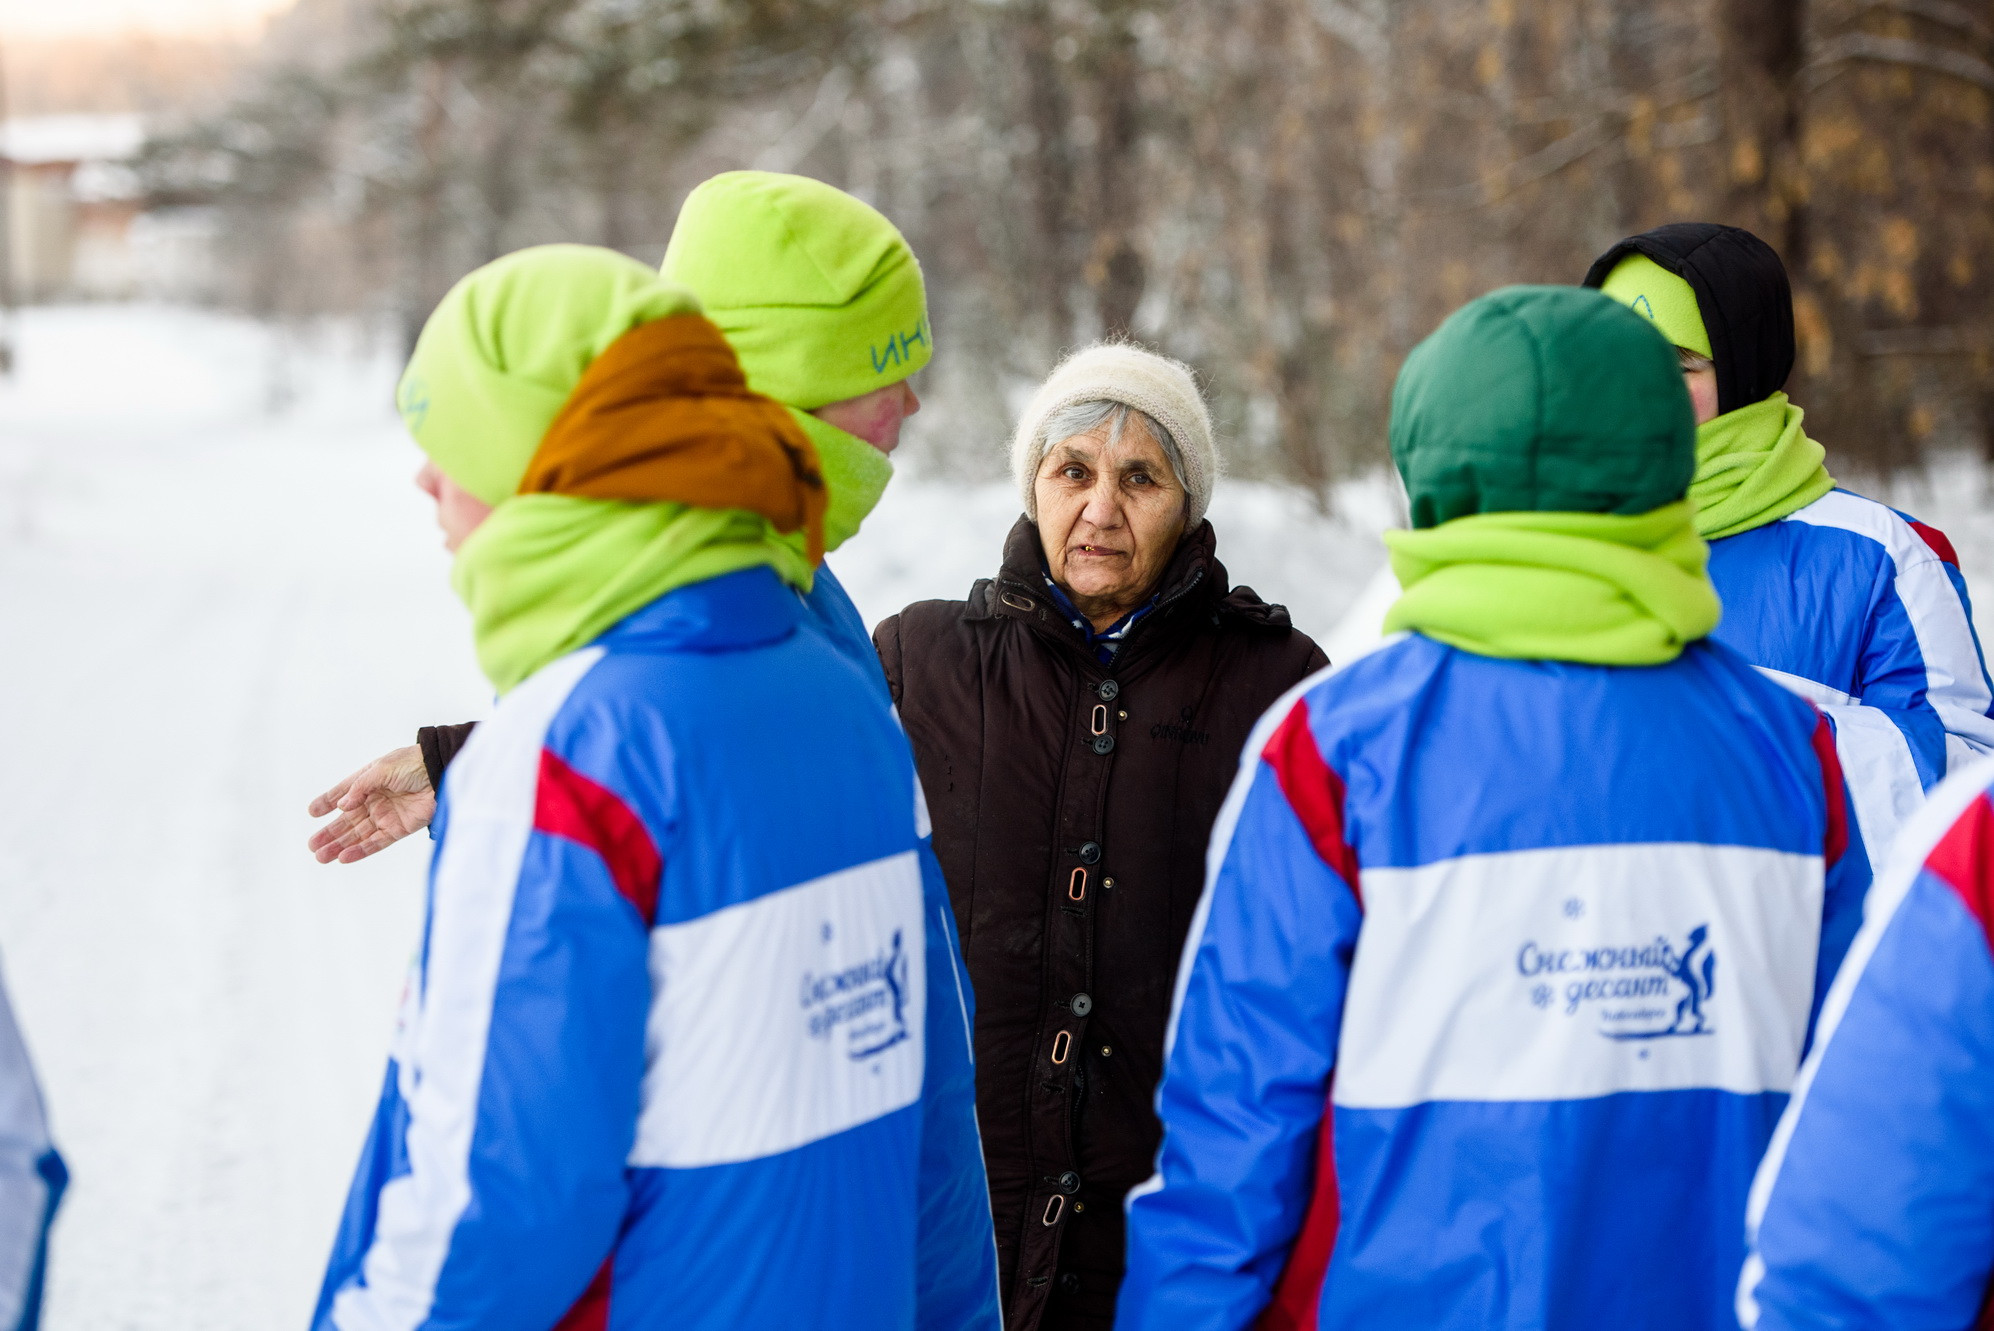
(1646, 991)
(866, 1001)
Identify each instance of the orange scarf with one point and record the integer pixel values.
(664, 415)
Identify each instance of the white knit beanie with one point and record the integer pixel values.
(1160, 387)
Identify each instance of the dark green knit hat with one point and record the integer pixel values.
(1542, 399)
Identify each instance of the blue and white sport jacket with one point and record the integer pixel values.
(1874, 1208)
(1863, 610)
(1501, 977)
(32, 1179)
(687, 1043)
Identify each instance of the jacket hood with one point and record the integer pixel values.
(1542, 399)
(1741, 292)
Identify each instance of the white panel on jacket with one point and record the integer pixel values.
(446, 1018)
(1571, 972)
(786, 1019)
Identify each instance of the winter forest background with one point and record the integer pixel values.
(1286, 193)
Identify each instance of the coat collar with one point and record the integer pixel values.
(1193, 588)
(746, 608)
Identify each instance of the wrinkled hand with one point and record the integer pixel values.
(376, 807)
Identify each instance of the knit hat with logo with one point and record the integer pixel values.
(1743, 305)
(1662, 298)
(819, 295)
(503, 350)
(1161, 388)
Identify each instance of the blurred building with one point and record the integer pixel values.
(77, 227)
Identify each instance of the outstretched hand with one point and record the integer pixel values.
(375, 807)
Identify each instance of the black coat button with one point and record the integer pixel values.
(1069, 1182)
(1091, 853)
(1104, 744)
(1069, 1283)
(1108, 690)
(1080, 1005)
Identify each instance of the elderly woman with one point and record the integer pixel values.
(1077, 722)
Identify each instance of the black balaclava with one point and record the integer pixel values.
(1741, 292)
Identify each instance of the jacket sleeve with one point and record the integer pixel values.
(1251, 1045)
(1847, 874)
(958, 1251)
(1871, 1208)
(515, 1093)
(1922, 697)
(32, 1179)
(886, 642)
(439, 744)
(1966, 704)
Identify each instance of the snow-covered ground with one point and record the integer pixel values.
(220, 592)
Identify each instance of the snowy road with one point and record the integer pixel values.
(208, 616)
(211, 610)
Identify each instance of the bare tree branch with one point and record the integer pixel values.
(1945, 13)
(1925, 341)
(1854, 46)
(794, 144)
(1361, 26)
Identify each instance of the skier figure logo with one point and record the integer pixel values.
(894, 976)
(1699, 980)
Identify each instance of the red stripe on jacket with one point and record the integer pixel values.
(569, 805)
(1298, 1294)
(591, 1310)
(1836, 791)
(1314, 791)
(1964, 860)
(1936, 539)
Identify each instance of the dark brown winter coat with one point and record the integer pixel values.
(1071, 803)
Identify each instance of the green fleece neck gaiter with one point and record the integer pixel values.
(547, 573)
(1753, 466)
(1597, 588)
(855, 472)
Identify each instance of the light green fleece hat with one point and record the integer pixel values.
(504, 349)
(1662, 298)
(819, 295)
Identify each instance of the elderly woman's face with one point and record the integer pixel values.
(1110, 517)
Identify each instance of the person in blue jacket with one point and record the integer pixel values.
(1844, 600)
(686, 1043)
(32, 1181)
(1514, 929)
(1874, 1207)
(823, 300)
